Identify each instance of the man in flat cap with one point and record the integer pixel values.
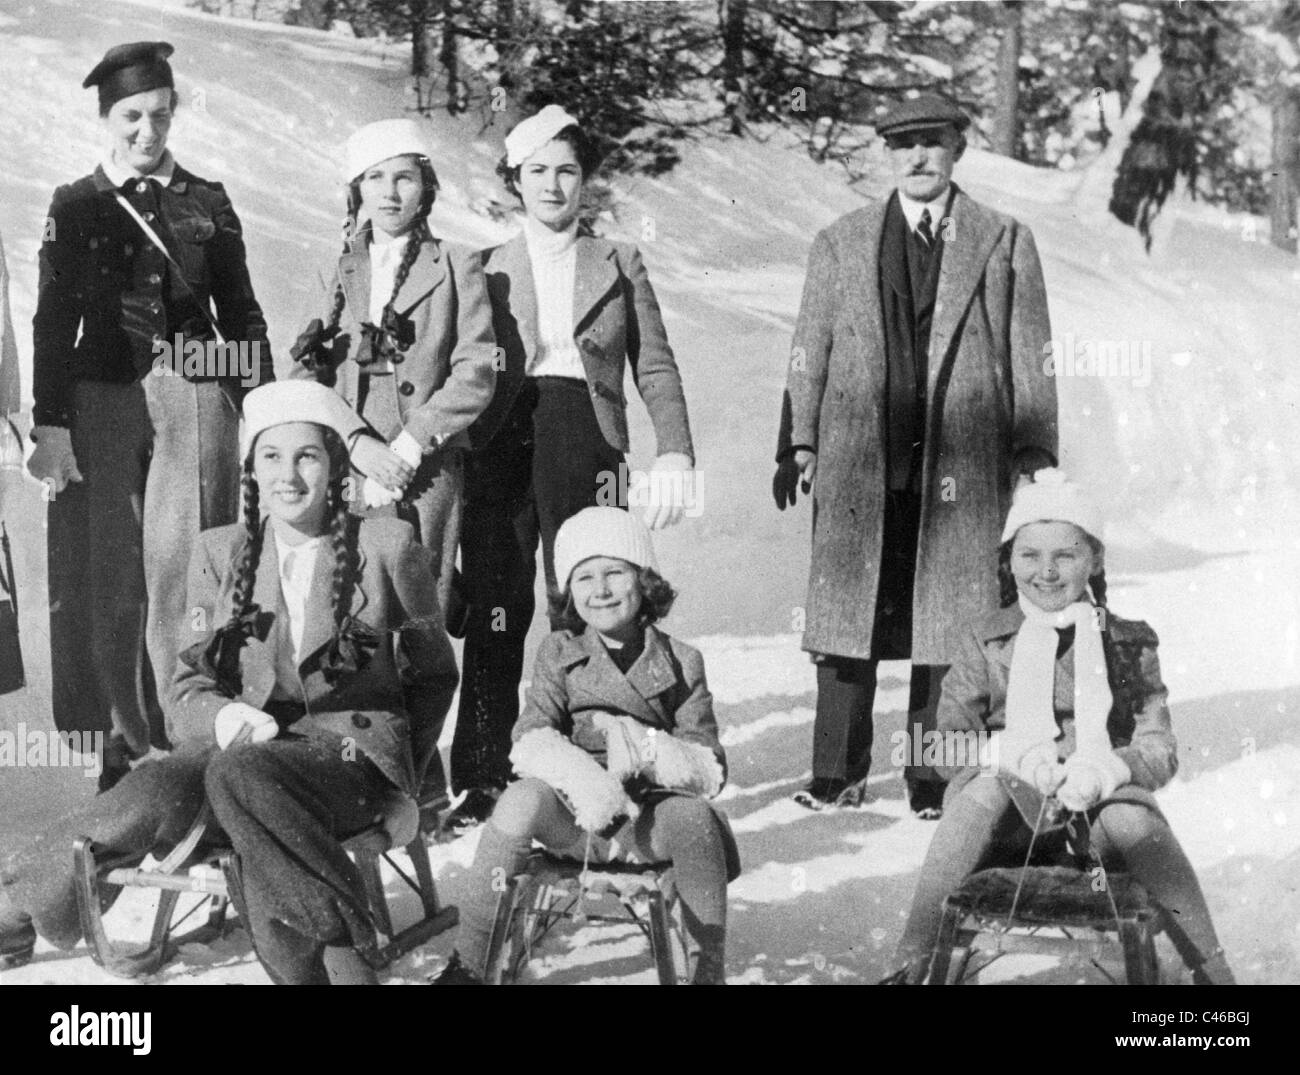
(915, 398)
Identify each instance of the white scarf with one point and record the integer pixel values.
(1031, 718)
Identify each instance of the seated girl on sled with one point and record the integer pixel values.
(315, 665)
(617, 748)
(1073, 698)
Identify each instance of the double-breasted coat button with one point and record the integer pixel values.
(149, 216)
(155, 279)
(406, 388)
(142, 186)
(398, 359)
(360, 720)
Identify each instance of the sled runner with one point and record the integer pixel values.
(552, 890)
(212, 873)
(1043, 897)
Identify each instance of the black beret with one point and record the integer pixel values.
(130, 69)
(918, 113)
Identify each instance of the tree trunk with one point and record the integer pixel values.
(419, 13)
(449, 57)
(731, 16)
(1006, 116)
(1285, 185)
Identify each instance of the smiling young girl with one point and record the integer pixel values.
(404, 334)
(314, 672)
(617, 745)
(1073, 697)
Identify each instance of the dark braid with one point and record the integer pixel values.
(414, 239)
(347, 558)
(250, 554)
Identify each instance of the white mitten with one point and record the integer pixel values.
(683, 766)
(1089, 780)
(235, 716)
(627, 749)
(52, 460)
(374, 495)
(595, 795)
(1040, 766)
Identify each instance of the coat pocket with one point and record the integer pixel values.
(194, 231)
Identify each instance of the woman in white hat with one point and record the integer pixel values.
(571, 311)
(1068, 699)
(404, 334)
(314, 674)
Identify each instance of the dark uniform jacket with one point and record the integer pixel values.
(101, 275)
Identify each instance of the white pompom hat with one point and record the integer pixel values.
(377, 142)
(601, 532)
(1052, 497)
(531, 134)
(281, 402)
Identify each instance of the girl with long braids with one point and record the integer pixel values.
(405, 334)
(313, 675)
(1069, 699)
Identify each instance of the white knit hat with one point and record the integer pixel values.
(281, 402)
(377, 142)
(601, 532)
(534, 132)
(1052, 497)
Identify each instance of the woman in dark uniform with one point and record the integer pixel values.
(136, 458)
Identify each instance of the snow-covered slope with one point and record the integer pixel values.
(1193, 453)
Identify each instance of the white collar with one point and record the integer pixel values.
(912, 209)
(283, 548)
(546, 242)
(119, 174)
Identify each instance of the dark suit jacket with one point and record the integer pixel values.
(389, 707)
(102, 276)
(616, 322)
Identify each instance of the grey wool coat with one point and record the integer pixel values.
(616, 323)
(988, 400)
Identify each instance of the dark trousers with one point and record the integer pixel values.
(548, 461)
(283, 806)
(846, 686)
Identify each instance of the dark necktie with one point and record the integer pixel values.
(923, 229)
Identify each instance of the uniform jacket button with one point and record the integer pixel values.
(155, 279)
(406, 388)
(142, 186)
(149, 215)
(360, 720)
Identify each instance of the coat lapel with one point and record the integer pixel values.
(653, 674)
(429, 270)
(513, 263)
(354, 276)
(600, 677)
(975, 232)
(594, 274)
(862, 277)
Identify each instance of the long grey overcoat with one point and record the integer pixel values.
(987, 400)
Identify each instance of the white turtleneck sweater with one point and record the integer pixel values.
(554, 260)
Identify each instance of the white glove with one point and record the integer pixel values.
(683, 766)
(235, 716)
(52, 461)
(627, 747)
(1040, 766)
(668, 480)
(1090, 780)
(408, 448)
(374, 495)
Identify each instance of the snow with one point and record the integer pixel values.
(1197, 467)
